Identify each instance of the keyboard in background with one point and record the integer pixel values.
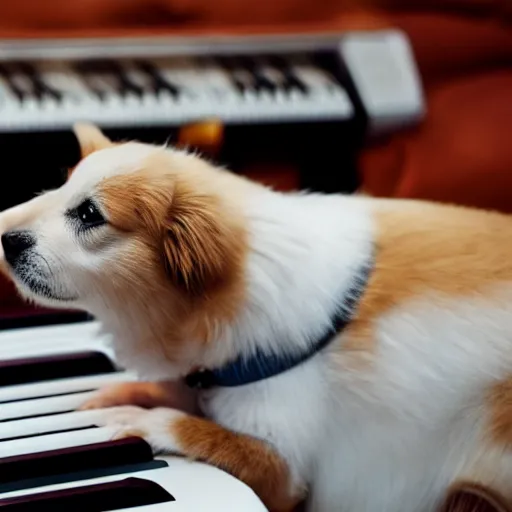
(278, 88)
(308, 102)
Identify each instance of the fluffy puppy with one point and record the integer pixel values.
(356, 350)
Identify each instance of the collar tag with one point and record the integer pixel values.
(200, 379)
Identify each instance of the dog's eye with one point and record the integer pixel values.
(89, 215)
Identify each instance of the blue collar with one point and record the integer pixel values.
(262, 366)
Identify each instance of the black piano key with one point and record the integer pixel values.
(123, 452)
(97, 91)
(125, 84)
(127, 493)
(158, 82)
(290, 80)
(261, 82)
(38, 369)
(112, 68)
(7, 75)
(233, 71)
(42, 317)
(40, 88)
(87, 72)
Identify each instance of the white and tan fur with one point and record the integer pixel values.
(196, 266)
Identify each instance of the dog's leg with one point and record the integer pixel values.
(145, 394)
(469, 497)
(251, 460)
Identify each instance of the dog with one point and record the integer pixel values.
(349, 351)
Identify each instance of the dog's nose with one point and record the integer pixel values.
(15, 242)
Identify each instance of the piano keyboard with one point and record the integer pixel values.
(53, 457)
(265, 79)
(53, 95)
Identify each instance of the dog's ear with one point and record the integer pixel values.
(201, 247)
(90, 138)
(469, 497)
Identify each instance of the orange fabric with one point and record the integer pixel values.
(447, 45)
(93, 14)
(462, 153)
(90, 14)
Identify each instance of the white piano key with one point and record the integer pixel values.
(269, 71)
(56, 441)
(65, 346)
(218, 490)
(216, 82)
(135, 75)
(180, 72)
(47, 424)
(21, 81)
(10, 339)
(62, 339)
(131, 100)
(61, 386)
(194, 485)
(8, 99)
(61, 77)
(42, 406)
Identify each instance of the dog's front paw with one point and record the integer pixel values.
(155, 426)
(173, 394)
(111, 396)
